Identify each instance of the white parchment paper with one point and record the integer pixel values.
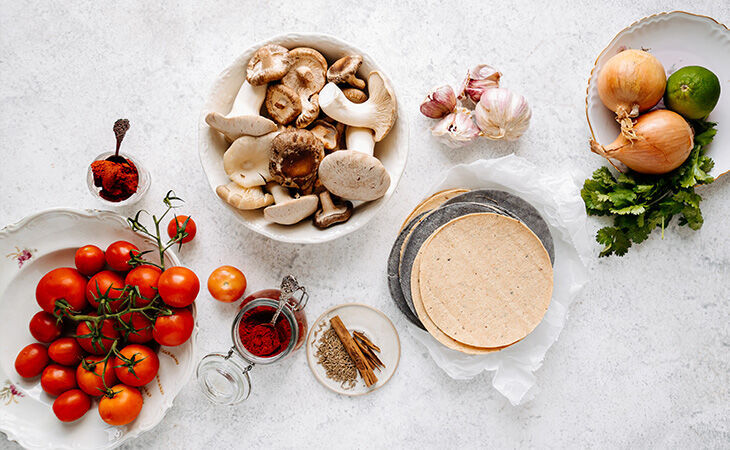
(558, 200)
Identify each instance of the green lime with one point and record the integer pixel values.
(692, 91)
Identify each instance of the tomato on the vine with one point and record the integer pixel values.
(135, 327)
(179, 222)
(89, 259)
(65, 351)
(44, 327)
(31, 360)
(226, 284)
(145, 278)
(57, 379)
(105, 283)
(118, 255)
(178, 286)
(98, 339)
(122, 407)
(136, 365)
(89, 372)
(71, 405)
(62, 283)
(174, 329)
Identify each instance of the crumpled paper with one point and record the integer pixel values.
(558, 200)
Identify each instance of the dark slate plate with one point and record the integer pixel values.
(393, 265)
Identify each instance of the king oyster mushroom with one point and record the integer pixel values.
(243, 118)
(295, 157)
(244, 198)
(246, 161)
(327, 132)
(331, 213)
(306, 77)
(344, 70)
(269, 63)
(283, 103)
(288, 210)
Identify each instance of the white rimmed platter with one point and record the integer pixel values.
(376, 326)
(392, 151)
(29, 249)
(677, 39)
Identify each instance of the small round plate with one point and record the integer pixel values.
(375, 325)
(677, 39)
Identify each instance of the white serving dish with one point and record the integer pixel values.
(392, 151)
(29, 249)
(677, 39)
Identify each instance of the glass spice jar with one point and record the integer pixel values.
(224, 378)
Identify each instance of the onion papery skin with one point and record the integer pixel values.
(663, 142)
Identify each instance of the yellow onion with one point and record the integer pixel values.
(631, 83)
(663, 142)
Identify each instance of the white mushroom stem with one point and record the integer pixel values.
(360, 140)
(248, 100)
(280, 193)
(243, 119)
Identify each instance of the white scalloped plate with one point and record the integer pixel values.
(29, 249)
(392, 151)
(677, 39)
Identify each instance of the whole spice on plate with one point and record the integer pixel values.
(117, 176)
(259, 337)
(354, 351)
(335, 360)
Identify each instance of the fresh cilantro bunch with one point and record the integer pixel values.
(640, 203)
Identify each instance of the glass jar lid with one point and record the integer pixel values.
(224, 379)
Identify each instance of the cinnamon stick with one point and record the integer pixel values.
(365, 340)
(354, 351)
(370, 357)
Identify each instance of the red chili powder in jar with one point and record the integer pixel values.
(259, 337)
(118, 181)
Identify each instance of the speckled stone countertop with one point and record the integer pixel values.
(643, 359)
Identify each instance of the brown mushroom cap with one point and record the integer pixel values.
(330, 212)
(344, 70)
(295, 158)
(282, 103)
(306, 77)
(327, 132)
(269, 63)
(355, 95)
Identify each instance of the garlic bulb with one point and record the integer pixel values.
(502, 114)
(478, 80)
(439, 102)
(457, 129)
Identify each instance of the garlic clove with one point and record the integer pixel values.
(439, 102)
(456, 129)
(478, 80)
(502, 114)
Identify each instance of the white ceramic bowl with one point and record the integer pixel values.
(677, 39)
(392, 151)
(29, 249)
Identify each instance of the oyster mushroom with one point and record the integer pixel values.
(244, 118)
(355, 174)
(327, 132)
(377, 113)
(269, 63)
(306, 77)
(330, 213)
(344, 70)
(295, 158)
(246, 161)
(283, 104)
(288, 210)
(244, 198)
(355, 95)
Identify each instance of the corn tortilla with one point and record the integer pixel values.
(432, 202)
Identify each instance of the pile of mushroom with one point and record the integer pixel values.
(302, 137)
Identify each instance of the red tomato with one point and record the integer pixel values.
(65, 351)
(123, 407)
(89, 259)
(118, 255)
(63, 283)
(136, 327)
(31, 361)
(99, 338)
(137, 366)
(226, 284)
(105, 283)
(145, 278)
(88, 375)
(174, 329)
(71, 405)
(178, 286)
(44, 327)
(179, 223)
(58, 379)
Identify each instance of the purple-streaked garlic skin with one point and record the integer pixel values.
(456, 129)
(439, 102)
(479, 79)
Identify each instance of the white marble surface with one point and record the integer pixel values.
(643, 360)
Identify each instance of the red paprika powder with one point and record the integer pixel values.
(259, 337)
(118, 181)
